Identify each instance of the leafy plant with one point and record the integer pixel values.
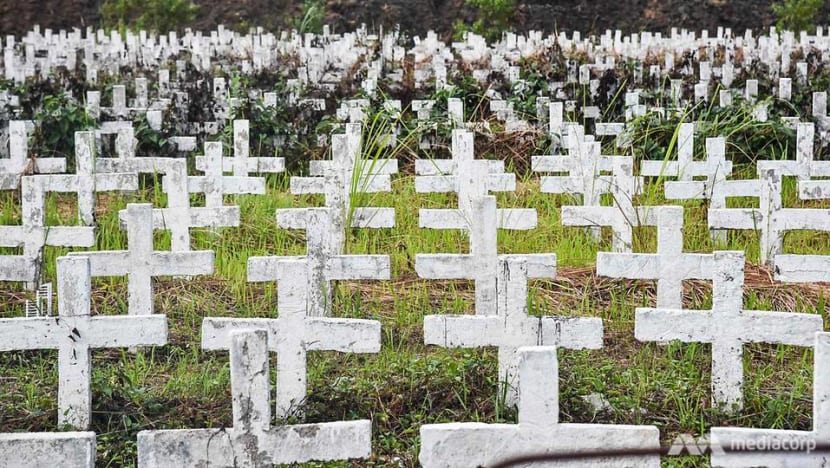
(155, 15)
(311, 17)
(492, 18)
(58, 120)
(797, 15)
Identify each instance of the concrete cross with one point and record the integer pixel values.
(538, 430)
(214, 184)
(178, 217)
(324, 259)
(140, 263)
(85, 182)
(512, 327)
(481, 220)
(797, 445)
(18, 163)
(772, 220)
(346, 175)
(622, 216)
(32, 235)
(442, 175)
(727, 327)
(294, 333)
(242, 164)
(669, 266)
(253, 441)
(74, 333)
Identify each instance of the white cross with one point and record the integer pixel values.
(669, 266)
(76, 449)
(511, 327)
(622, 216)
(74, 333)
(538, 431)
(685, 168)
(214, 184)
(33, 235)
(295, 333)
(85, 182)
(726, 327)
(480, 219)
(773, 221)
(178, 217)
(347, 174)
(324, 261)
(441, 175)
(140, 263)
(797, 444)
(18, 162)
(242, 164)
(253, 441)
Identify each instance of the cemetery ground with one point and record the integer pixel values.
(409, 384)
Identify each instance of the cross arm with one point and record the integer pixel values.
(445, 266)
(802, 268)
(373, 218)
(278, 445)
(665, 325)
(69, 449)
(118, 331)
(789, 328)
(465, 331)
(355, 267)
(197, 262)
(107, 263)
(735, 218)
(572, 332)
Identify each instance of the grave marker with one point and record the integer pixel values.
(538, 430)
(140, 263)
(727, 327)
(253, 441)
(74, 333)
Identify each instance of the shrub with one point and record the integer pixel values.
(797, 15)
(492, 18)
(160, 16)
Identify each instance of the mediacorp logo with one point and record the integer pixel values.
(687, 444)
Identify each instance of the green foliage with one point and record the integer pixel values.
(797, 15)
(58, 120)
(155, 15)
(311, 17)
(492, 18)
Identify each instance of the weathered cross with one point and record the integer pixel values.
(85, 182)
(18, 163)
(346, 175)
(178, 217)
(481, 219)
(622, 216)
(685, 168)
(324, 259)
(33, 235)
(294, 333)
(74, 333)
(242, 164)
(214, 184)
(512, 327)
(773, 221)
(538, 431)
(253, 441)
(441, 175)
(726, 327)
(140, 263)
(669, 266)
(796, 445)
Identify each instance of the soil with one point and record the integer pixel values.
(418, 16)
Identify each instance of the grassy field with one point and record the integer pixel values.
(409, 384)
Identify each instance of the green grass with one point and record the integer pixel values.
(409, 384)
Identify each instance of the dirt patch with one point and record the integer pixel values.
(416, 17)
